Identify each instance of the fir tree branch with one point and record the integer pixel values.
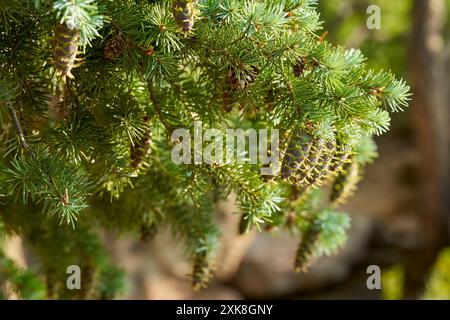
(249, 64)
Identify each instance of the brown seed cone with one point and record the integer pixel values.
(65, 49)
(299, 68)
(114, 47)
(234, 83)
(311, 163)
(307, 247)
(340, 158)
(345, 183)
(201, 271)
(296, 154)
(322, 170)
(243, 80)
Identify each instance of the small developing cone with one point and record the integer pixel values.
(114, 47)
(345, 183)
(340, 158)
(234, 83)
(299, 68)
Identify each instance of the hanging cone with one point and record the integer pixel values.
(234, 83)
(296, 154)
(299, 68)
(340, 158)
(307, 247)
(201, 271)
(309, 165)
(322, 170)
(114, 47)
(345, 183)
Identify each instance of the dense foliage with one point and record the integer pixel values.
(91, 91)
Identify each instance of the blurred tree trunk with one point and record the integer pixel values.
(430, 108)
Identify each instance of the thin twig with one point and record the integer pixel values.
(22, 140)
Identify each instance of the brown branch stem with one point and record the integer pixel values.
(19, 130)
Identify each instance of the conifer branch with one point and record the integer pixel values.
(232, 64)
